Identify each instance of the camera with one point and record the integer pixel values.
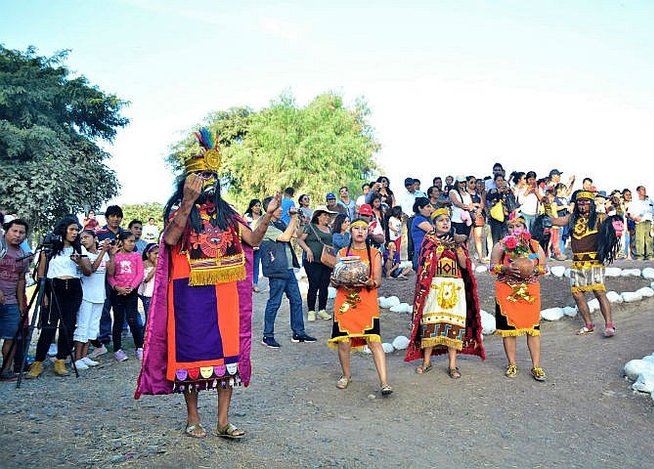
(50, 239)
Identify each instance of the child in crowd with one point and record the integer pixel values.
(393, 267)
(341, 231)
(124, 274)
(395, 226)
(150, 257)
(93, 296)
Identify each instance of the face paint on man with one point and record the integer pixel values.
(209, 184)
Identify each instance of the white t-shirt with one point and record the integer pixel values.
(62, 265)
(407, 199)
(465, 199)
(147, 288)
(394, 224)
(93, 286)
(150, 233)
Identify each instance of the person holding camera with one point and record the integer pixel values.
(68, 261)
(281, 277)
(114, 216)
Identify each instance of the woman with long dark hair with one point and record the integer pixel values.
(68, 262)
(461, 207)
(420, 226)
(387, 195)
(341, 231)
(316, 235)
(252, 215)
(356, 322)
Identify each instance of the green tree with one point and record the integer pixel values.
(50, 163)
(314, 149)
(143, 212)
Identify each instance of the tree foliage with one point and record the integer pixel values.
(314, 149)
(50, 164)
(143, 212)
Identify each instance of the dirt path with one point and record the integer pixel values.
(585, 415)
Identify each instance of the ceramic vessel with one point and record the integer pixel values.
(350, 271)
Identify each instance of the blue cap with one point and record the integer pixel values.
(330, 196)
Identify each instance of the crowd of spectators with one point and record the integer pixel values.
(98, 272)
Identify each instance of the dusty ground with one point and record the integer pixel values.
(585, 415)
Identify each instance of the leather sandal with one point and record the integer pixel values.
(454, 373)
(422, 369)
(195, 430)
(230, 431)
(609, 331)
(586, 330)
(343, 382)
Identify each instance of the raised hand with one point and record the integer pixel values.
(274, 203)
(192, 187)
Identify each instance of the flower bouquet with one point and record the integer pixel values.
(516, 245)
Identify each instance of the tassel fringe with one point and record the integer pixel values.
(517, 332)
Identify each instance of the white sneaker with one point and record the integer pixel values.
(90, 362)
(311, 316)
(98, 351)
(80, 365)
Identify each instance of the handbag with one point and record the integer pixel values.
(327, 256)
(497, 211)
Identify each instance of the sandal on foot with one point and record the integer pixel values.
(586, 330)
(609, 331)
(195, 431)
(343, 382)
(511, 370)
(230, 431)
(422, 369)
(386, 390)
(538, 374)
(454, 373)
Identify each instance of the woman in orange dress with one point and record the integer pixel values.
(518, 261)
(356, 311)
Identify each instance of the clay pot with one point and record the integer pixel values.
(350, 271)
(524, 265)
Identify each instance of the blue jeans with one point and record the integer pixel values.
(255, 267)
(279, 286)
(529, 221)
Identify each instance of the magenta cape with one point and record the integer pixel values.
(152, 378)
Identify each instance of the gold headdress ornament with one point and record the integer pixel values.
(516, 219)
(440, 211)
(209, 159)
(359, 222)
(585, 195)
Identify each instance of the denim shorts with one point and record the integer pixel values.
(9, 318)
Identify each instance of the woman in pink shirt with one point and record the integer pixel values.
(124, 274)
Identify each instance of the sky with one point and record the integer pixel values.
(453, 86)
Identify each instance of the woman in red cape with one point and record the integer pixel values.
(446, 306)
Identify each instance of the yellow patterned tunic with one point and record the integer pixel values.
(443, 319)
(586, 272)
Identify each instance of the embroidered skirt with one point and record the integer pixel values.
(443, 321)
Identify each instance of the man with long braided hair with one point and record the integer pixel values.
(594, 242)
(199, 328)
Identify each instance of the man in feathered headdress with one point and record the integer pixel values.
(199, 327)
(594, 241)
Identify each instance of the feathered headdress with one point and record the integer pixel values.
(209, 159)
